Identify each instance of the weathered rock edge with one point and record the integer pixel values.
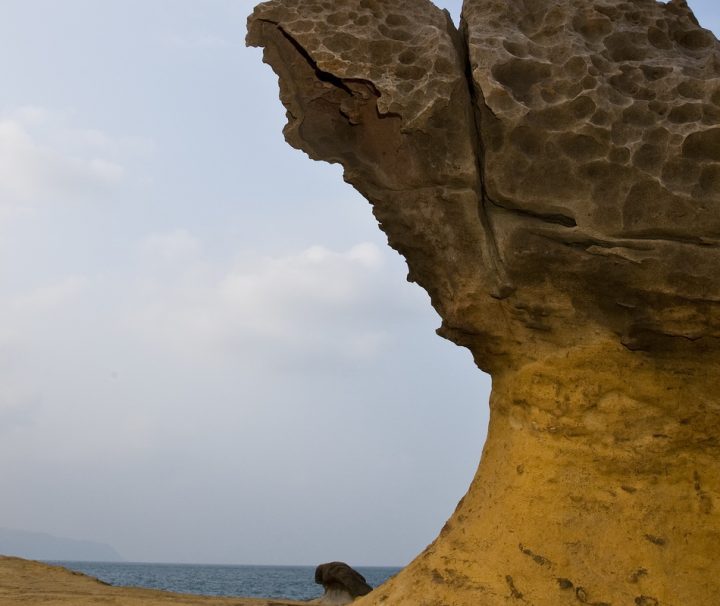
(551, 173)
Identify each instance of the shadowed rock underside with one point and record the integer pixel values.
(551, 173)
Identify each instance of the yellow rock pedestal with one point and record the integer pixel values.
(599, 484)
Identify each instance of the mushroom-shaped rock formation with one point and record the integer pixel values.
(342, 583)
(551, 173)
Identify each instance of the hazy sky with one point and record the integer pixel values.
(208, 353)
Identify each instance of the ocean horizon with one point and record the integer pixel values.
(230, 580)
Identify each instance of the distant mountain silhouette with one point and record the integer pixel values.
(42, 546)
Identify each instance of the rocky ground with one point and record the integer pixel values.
(26, 583)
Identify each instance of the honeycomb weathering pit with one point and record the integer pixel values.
(551, 173)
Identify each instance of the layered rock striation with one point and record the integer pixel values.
(551, 173)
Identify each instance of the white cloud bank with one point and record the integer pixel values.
(250, 320)
(316, 303)
(176, 245)
(183, 402)
(186, 385)
(44, 158)
(32, 169)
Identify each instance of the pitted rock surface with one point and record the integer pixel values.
(551, 173)
(419, 163)
(588, 153)
(399, 48)
(601, 122)
(341, 582)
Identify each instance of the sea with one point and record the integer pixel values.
(291, 582)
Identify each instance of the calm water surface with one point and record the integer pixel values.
(292, 582)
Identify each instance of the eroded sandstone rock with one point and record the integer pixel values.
(342, 584)
(551, 173)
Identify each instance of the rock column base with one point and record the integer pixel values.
(599, 484)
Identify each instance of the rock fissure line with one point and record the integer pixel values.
(504, 287)
(321, 75)
(555, 218)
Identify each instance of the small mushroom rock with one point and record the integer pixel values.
(342, 583)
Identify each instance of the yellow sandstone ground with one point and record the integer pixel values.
(28, 583)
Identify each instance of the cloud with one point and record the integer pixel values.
(138, 359)
(170, 246)
(48, 297)
(29, 170)
(28, 314)
(43, 159)
(34, 115)
(288, 310)
(18, 408)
